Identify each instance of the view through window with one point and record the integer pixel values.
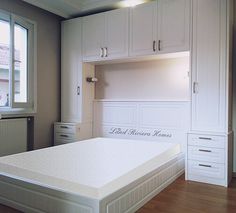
(16, 62)
(4, 62)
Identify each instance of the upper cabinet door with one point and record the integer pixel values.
(93, 37)
(116, 40)
(143, 28)
(173, 25)
(209, 65)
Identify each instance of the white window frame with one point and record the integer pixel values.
(17, 108)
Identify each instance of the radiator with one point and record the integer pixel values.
(13, 136)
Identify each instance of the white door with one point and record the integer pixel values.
(71, 73)
(208, 65)
(93, 37)
(143, 25)
(116, 40)
(173, 25)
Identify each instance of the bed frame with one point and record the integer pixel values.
(151, 120)
(29, 197)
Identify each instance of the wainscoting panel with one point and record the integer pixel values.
(165, 121)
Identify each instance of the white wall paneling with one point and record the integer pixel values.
(148, 120)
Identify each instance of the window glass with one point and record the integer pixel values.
(4, 62)
(20, 64)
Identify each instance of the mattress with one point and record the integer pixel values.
(92, 168)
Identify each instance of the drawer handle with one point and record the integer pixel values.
(64, 127)
(204, 165)
(204, 138)
(204, 150)
(65, 136)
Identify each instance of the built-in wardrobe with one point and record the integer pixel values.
(198, 29)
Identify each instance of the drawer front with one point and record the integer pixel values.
(61, 142)
(65, 128)
(206, 169)
(207, 141)
(65, 136)
(207, 154)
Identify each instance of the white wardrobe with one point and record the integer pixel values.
(201, 27)
(209, 154)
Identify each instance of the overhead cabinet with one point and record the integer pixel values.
(143, 29)
(161, 26)
(105, 35)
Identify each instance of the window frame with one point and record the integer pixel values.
(18, 108)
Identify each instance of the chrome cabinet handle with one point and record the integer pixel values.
(154, 46)
(64, 136)
(195, 87)
(204, 150)
(105, 50)
(204, 165)
(159, 45)
(204, 138)
(78, 90)
(101, 52)
(64, 127)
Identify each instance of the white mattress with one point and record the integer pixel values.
(92, 168)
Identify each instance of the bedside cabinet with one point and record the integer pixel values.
(66, 133)
(71, 132)
(207, 159)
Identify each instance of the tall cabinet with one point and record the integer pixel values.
(76, 93)
(209, 157)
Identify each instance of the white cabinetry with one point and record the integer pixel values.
(70, 132)
(161, 26)
(71, 67)
(76, 93)
(209, 66)
(209, 155)
(93, 36)
(105, 35)
(143, 29)
(173, 31)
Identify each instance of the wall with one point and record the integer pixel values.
(48, 67)
(165, 79)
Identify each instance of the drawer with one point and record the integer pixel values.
(206, 169)
(66, 128)
(65, 136)
(207, 141)
(61, 142)
(207, 154)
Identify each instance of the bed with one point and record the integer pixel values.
(100, 175)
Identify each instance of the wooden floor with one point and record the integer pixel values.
(186, 197)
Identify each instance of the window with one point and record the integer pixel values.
(17, 63)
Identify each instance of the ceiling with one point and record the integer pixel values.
(71, 8)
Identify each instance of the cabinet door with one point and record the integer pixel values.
(93, 36)
(143, 25)
(209, 65)
(71, 70)
(116, 40)
(173, 25)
